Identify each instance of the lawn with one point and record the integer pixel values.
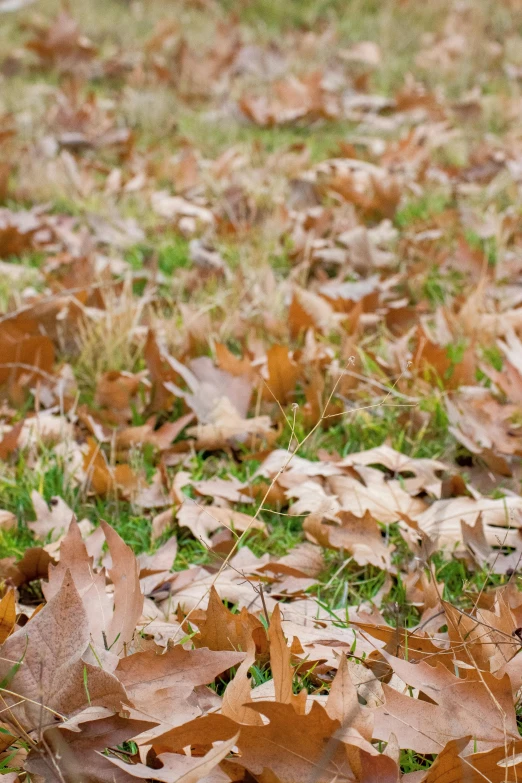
(260, 391)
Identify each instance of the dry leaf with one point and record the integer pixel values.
(52, 673)
(54, 518)
(360, 536)
(203, 520)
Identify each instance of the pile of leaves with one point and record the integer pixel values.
(112, 680)
(260, 392)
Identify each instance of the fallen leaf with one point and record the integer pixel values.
(90, 584)
(79, 747)
(361, 536)
(7, 520)
(223, 630)
(177, 768)
(7, 615)
(294, 747)
(457, 707)
(51, 677)
(54, 518)
(203, 520)
(283, 374)
(128, 598)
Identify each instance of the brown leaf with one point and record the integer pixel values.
(161, 438)
(62, 43)
(457, 707)
(104, 479)
(161, 560)
(177, 768)
(144, 671)
(208, 386)
(161, 523)
(223, 630)
(161, 685)
(385, 500)
(453, 765)
(282, 374)
(7, 615)
(230, 363)
(203, 520)
(237, 698)
(424, 470)
(52, 675)
(79, 745)
(33, 565)
(24, 352)
(442, 520)
(310, 310)
(361, 536)
(294, 747)
(54, 518)
(280, 664)
(9, 442)
(228, 489)
(128, 598)
(90, 584)
(343, 704)
(303, 560)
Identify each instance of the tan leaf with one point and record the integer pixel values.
(457, 707)
(203, 520)
(343, 704)
(89, 583)
(294, 747)
(161, 684)
(7, 520)
(128, 598)
(223, 630)
(177, 768)
(79, 745)
(280, 664)
(453, 765)
(385, 500)
(237, 698)
(161, 560)
(54, 518)
(52, 675)
(501, 519)
(361, 536)
(227, 428)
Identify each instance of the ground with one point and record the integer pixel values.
(260, 296)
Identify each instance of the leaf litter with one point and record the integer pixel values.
(260, 394)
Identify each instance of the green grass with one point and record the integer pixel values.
(170, 253)
(414, 762)
(321, 138)
(422, 209)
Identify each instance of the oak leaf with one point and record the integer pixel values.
(50, 676)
